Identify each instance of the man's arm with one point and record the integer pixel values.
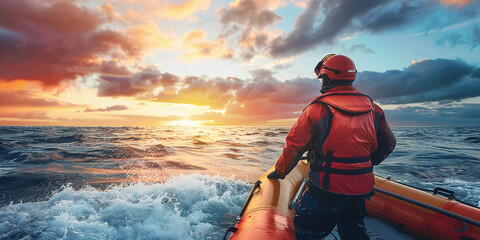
(299, 139)
(385, 140)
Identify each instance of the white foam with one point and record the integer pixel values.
(466, 191)
(184, 207)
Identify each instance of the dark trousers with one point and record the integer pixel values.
(318, 212)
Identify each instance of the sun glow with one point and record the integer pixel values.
(186, 123)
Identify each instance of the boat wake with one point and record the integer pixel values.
(184, 207)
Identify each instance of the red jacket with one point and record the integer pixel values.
(347, 133)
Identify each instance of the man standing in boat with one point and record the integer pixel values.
(345, 134)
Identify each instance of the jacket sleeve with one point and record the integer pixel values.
(385, 140)
(299, 139)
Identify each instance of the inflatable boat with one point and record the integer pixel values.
(396, 211)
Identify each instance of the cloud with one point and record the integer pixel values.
(183, 10)
(250, 13)
(112, 68)
(150, 84)
(360, 48)
(215, 93)
(30, 99)
(324, 22)
(149, 36)
(263, 107)
(460, 115)
(396, 14)
(59, 41)
(457, 39)
(140, 12)
(145, 80)
(458, 3)
(454, 39)
(306, 34)
(195, 47)
(476, 37)
(248, 20)
(423, 81)
(24, 115)
(265, 98)
(108, 109)
(300, 3)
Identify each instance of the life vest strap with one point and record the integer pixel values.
(349, 160)
(326, 170)
(337, 171)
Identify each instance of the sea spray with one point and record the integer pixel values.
(184, 207)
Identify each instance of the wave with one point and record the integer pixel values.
(77, 137)
(473, 139)
(184, 207)
(199, 142)
(466, 191)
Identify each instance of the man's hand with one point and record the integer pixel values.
(275, 175)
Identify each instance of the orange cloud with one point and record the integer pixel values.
(149, 36)
(152, 10)
(215, 93)
(184, 9)
(24, 115)
(60, 41)
(195, 47)
(459, 3)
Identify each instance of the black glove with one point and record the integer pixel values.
(275, 175)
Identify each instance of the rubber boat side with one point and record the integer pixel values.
(420, 220)
(266, 214)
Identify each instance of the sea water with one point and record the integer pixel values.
(180, 182)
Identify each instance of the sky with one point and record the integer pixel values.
(243, 62)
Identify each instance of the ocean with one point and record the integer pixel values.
(180, 182)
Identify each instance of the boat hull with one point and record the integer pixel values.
(267, 214)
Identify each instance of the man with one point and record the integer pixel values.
(345, 134)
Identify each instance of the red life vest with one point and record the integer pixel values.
(345, 138)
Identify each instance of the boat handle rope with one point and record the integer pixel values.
(436, 191)
(257, 184)
(297, 195)
(445, 192)
(234, 229)
(429, 207)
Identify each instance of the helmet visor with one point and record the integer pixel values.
(319, 65)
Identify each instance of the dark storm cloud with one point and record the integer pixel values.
(108, 109)
(476, 73)
(424, 81)
(387, 16)
(338, 16)
(325, 21)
